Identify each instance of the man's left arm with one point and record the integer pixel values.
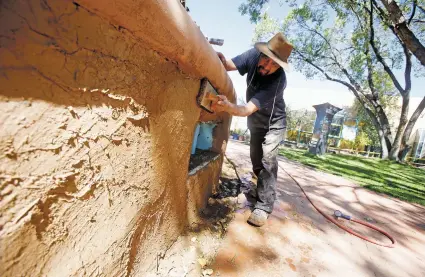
(229, 65)
(224, 105)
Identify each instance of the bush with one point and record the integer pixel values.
(291, 135)
(346, 144)
(361, 141)
(305, 138)
(238, 131)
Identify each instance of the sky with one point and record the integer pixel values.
(221, 19)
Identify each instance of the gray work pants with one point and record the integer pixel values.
(264, 149)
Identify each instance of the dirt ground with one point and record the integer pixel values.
(297, 240)
(192, 253)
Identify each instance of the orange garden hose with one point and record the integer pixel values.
(339, 214)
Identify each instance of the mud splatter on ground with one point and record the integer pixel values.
(290, 263)
(228, 188)
(305, 260)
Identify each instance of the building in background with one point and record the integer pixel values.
(418, 142)
(343, 126)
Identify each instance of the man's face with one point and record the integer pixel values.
(266, 66)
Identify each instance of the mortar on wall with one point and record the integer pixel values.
(96, 141)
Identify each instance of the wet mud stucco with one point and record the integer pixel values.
(96, 130)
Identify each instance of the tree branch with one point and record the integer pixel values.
(370, 78)
(369, 61)
(412, 122)
(378, 53)
(343, 69)
(374, 100)
(310, 62)
(407, 71)
(403, 31)
(384, 17)
(308, 28)
(381, 13)
(415, 3)
(366, 52)
(358, 18)
(387, 21)
(348, 85)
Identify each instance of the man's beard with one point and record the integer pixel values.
(262, 73)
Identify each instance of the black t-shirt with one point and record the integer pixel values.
(263, 91)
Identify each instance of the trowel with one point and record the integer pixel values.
(207, 96)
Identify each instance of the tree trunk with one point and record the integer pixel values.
(408, 131)
(384, 147)
(383, 124)
(388, 143)
(401, 126)
(402, 29)
(384, 140)
(386, 128)
(383, 119)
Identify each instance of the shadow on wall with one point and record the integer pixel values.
(70, 86)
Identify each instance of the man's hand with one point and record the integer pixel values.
(224, 105)
(228, 64)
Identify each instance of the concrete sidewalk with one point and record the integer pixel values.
(298, 241)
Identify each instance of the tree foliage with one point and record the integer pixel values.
(365, 124)
(302, 119)
(351, 43)
(362, 139)
(252, 8)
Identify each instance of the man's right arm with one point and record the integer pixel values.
(224, 105)
(229, 65)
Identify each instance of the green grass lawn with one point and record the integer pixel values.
(402, 181)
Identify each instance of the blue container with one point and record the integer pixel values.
(195, 139)
(205, 138)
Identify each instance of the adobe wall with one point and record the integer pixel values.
(96, 129)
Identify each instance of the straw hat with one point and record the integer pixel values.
(277, 48)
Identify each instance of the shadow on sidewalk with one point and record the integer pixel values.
(304, 243)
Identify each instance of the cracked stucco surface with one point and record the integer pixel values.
(95, 140)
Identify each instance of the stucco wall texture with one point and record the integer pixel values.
(96, 126)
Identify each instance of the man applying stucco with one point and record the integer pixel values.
(265, 109)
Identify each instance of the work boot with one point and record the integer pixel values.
(258, 217)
